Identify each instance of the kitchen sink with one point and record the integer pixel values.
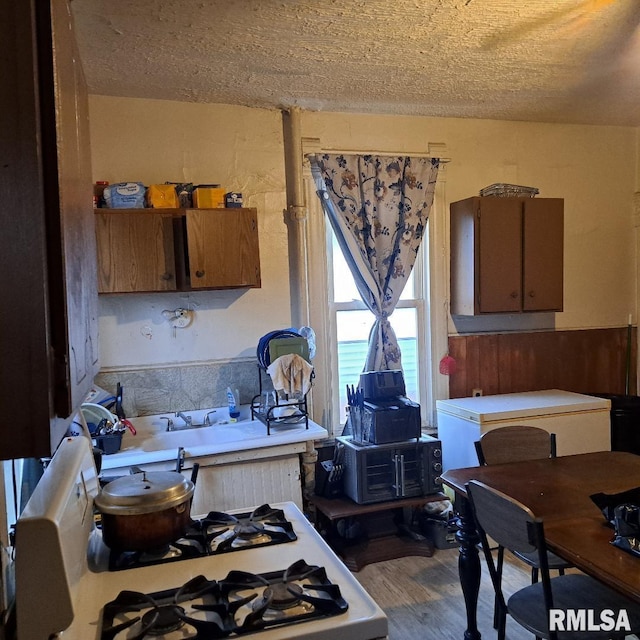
(242, 441)
(224, 435)
(193, 437)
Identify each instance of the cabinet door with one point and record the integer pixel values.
(499, 255)
(223, 249)
(228, 486)
(49, 337)
(135, 251)
(543, 254)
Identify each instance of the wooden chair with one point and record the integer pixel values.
(513, 526)
(515, 444)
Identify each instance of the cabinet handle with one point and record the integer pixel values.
(199, 273)
(166, 276)
(396, 474)
(402, 475)
(514, 294)
(532, 294)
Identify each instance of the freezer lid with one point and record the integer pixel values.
(529, 404)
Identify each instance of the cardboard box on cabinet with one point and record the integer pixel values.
(162, 196)
(208, 197)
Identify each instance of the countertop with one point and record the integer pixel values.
(153, 443)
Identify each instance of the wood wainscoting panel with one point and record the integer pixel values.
(584, 361)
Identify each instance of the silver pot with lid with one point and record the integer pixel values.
(145, 511)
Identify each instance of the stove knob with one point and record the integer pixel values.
(436, 453)
(437, 467)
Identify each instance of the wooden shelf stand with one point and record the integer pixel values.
(371, 532)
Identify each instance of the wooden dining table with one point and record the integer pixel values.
(557, 490)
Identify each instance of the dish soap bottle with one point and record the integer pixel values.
(234, 407)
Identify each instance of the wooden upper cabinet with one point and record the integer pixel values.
(147, 250)
(49, 319)
(223, 248)
(506, 255)
(135, 251)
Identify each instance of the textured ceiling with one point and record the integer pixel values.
(571, 61)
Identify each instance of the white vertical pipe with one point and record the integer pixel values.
(298, 255)
(296, 218)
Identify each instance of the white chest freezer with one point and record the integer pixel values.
(581, 423)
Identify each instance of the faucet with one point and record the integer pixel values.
(187, 419)
(170, 426)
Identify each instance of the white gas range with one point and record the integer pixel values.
(64, 581)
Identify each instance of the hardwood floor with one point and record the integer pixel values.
(423, 600)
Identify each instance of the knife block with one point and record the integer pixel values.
(329, 479)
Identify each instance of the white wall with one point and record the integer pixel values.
(592, 168)
(153, 141)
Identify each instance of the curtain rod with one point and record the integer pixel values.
(352, 152)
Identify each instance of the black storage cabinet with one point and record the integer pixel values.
(625, 422)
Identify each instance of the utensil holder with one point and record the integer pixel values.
(109, 443)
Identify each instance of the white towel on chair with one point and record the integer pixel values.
(291, 373)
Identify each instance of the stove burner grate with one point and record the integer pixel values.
(163, 619)
(238, 604)
(283, 596)
(261, 527)
(215, 533)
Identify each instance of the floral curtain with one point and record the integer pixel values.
(378, 208)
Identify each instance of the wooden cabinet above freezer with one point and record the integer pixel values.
(148, 250)
(506, 255)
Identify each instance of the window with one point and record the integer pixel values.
(342, 322)
(352, 322)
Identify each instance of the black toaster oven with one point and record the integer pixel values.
(393, 420)
(381, 472)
